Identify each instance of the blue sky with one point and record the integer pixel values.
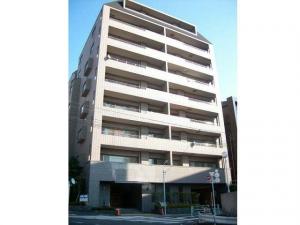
(215, 19)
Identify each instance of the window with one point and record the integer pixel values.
(80, 59)
(93, 31)
(86, 88)
(92, 48)
(88, 66)
(156, 161)
(177, 162)
(202, 164)
(119, 159)
(97, 53)
(84, 110)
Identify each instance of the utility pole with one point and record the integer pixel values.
(165, 202)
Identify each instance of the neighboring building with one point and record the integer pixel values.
(149, 101)
(74, 96)
(230, 120)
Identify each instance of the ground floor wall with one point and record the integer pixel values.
(146, 196)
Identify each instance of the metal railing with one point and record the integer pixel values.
(122, 133)
(126, 41)
(133, 62)
(204, 209)
(199, 100)
(190, 79)
(206, 51)
(126, 23)
(121, 107)
(196, 63)
(122, 83)
(127, 61)
(203, 144)
(201, 121)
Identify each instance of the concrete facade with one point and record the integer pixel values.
(230, 120)
(149, 101)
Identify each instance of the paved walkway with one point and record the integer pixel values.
(140, 218)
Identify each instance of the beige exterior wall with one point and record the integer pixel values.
(89, 149)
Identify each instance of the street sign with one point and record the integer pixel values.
(83, 198)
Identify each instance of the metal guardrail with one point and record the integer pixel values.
(204, 209)
(122, 83)
(127, 41)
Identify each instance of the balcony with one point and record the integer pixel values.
(159, 144)
(134, 172)
(135, 22)
(88, 67)
(119, 52)
(131, 113)
(188, 64)
(138, 51)
(84, 110)
(161, 96)
(188, 41)
(82, 134)
(135, 39)
(86, 87)
(172, 37)
(136, 69)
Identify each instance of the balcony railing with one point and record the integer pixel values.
(190, 79)
(201, 121)
(206, 51)
(144, 29)
(126, 41)
(122, 83)
(197, 142)
(122, 133)
(199, 100)
(132, 25)
(126, 60)
(115, 106)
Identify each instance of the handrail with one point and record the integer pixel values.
(187, 60)
(194, 47)
(129, 24)
(122, 83)
(201, 121)
(198, 100)
(121, 107)
(126, 41)
(190, 79)
(127, 61)
(131, 62)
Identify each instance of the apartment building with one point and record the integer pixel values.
(230, 121)
(149, 102)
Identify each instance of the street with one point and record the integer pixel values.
(75, 219)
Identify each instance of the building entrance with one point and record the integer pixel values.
(126, 195)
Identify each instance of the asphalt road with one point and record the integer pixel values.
(130, 220)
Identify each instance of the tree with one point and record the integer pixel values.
(75, 172)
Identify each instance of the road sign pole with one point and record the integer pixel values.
(165, 203)
(214, 203)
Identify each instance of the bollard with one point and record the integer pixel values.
(117, 212)
(192, 210)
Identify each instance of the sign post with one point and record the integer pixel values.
(214, 177)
